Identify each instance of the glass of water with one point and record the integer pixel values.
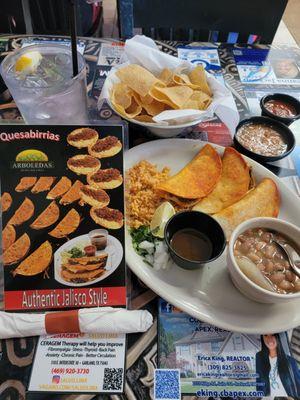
(47, 93)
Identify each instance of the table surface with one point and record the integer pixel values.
(17, 354)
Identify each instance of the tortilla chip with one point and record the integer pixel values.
(154, 108)
(141, 100)
(197, 178)
(8, 237)
(36, 262)
(6, 201)
(62, 186)
(121, 95)
(166, 76)
(17, 250)
(198, 77)
(144, 118)
(131, 112)
(47, 218)
(263, 201)
(202, 99)
(175, 96)
(232, 186)
(146, 99)
(191, 105)
(23, 213)
(134, 108)
(67, 225)
(137, 78)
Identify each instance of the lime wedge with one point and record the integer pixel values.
(161, 216)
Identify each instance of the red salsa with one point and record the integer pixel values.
(280, 108)
(90, 251)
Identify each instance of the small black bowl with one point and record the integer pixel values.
(282, 129)
(285, 99)
(204, 224)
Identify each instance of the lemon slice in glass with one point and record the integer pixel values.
(161, 216)
(27, 63)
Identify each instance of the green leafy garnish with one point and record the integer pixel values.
(140, 235)
(76, 252)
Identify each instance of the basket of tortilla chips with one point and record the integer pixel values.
(164, 93)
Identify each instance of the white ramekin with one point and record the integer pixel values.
(240, 280)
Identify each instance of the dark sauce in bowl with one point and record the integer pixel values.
(192, 245)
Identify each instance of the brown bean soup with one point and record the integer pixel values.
(257, 246)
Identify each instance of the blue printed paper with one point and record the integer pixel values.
(217, 363)
(167, 384)
(267, 67)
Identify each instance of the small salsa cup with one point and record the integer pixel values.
(289, 100)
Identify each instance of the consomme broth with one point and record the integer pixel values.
(192, 245)
(257, 246)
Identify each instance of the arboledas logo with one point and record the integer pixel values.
(32, 159)
(31, 155)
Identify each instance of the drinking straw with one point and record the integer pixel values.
(73, 36)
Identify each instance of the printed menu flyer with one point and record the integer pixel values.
(267, 67)
(81, 363)
(62, 204)
(206, 361)
(206, 56)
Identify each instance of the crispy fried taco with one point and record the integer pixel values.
(26, 183)
(67, 225)
(263, 201)
(62, 186)
(73, 194)
(23, 213)
(232, 186)
(198, 178)
(37, 262)
(43, 184)
(81, 277)
(8, 236)
(6, 201)
(17, 251)
(47, 218)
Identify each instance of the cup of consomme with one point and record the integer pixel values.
(194, 239)
(98, 238)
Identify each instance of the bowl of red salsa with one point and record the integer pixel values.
(282, 107)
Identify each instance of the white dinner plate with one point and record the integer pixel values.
(208, 294)
(114, 250)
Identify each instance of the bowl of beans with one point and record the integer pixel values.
(282, 107)
(258, 267)
(264, 139)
